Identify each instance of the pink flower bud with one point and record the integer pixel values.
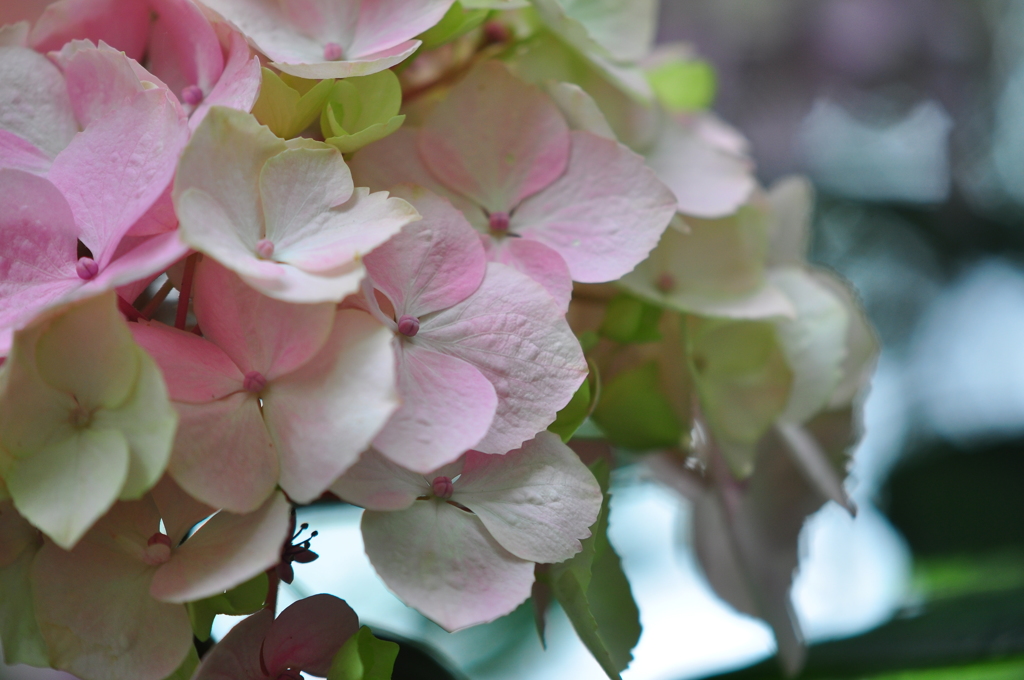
(332, 51)
(254, 381)
(158, 549)
(442, 487)
(498, 222)
(87, 268)
(265, 248)
(192, 95)
(408, 325)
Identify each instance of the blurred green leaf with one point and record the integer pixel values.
(594, 592)
(187, 667)
(246, 598)
(684, 86)
(364, 657)
(456, 22)
(579, 407)
(629, 319)
(635, 414)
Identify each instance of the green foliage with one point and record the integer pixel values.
(187, 667)
(246, 598)
(288, 105)
(629, 319)
(634, 412)
(595, 594)
(683, 86)
(456, 23)
(579, 407)
(364, 657)
(362, 110)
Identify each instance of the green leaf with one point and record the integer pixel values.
(187, 667)
(579, 407)
(246, 598)
(629, 319)
(595, 594)
(456, 22)
(635, 414)
(684, 86)
(364, 657)
(288, 105)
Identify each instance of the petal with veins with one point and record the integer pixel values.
(308, 633)
(36, 106)
(376, 483)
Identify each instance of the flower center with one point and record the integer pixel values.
(158, 549)
(666, 283)
(265, 248)
(192, 95)
(498, 222)
(80, 417)
(408, 325)
(87, 268)
(442, 487)
(332, 51)
(254, 381)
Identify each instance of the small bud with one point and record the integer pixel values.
(442, 487)
(254, 381)
(666, 283)
(192, 95)
(332, 51)
(265, 248)
(87, 268)
(158, 549)
(498, 222)
(408, 325)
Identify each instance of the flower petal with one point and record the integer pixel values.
(239, 83)
(179, 511)
(442, 561)
(99, 79)
(183, 48)
(228, 550)
(195, 369)
(308, 633)
(36, 106)
(121, 23)
(237, 655)
(495, 139)
(376, 483)
(536, 260)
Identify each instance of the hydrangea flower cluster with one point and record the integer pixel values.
(414, 255)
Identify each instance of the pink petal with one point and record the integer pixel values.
(179, 511)
(376, 483)
(183, 48)
(237, 656)
(495, 139)
(313, 68)
(223, 455)
(326, 20)
(431, 264)
(18, 153)
(38, 246)
(112, 172)
(160, 217)
(537, 501)
(99, 79)
(257, 332)
(239, 83)
(308, 634)
(325, 413)
(603, 216)
(515, 334)
(35, 100)
(447, 407)
(196, 370)
(226, 551)
(442, 561)
(378, 29)
(149, 257)
(124, 24)
(536, 260)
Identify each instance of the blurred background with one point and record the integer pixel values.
(907, 115)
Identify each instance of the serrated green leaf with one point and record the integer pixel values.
(684, 86)
(364, 657)
(187, 667)
(595, 593)
(628, 319)
(635, 414)
(288, 105)
(456, 22)
(243, 599)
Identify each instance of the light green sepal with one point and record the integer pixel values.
(349, 143)
(364, 657)
(362, 110)
(288, 105)
(683, 86)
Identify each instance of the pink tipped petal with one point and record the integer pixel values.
(291, 284)
(443, 561)
(159, 219)
(320, 67)
(376, 483)
(179, 511)
(124, 24)
(118, 167)
(495, 139)
(226, 551)
(536, 260)
(431, 264)
(708, 178)
(237, 656)
(378, 29)
(604, 215)
(35, 100)
(324, 414)
(327, 21)
(223, 455)
(18, 153)
(538, 501)
(308, 634)
(514, 333)
(144, 258)
(99, 79)
(183, 48)
(196, 370)
(239, 83)
(258, 333)
(447, 407)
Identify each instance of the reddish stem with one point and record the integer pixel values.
(273, 584)
(125, 308)
(186, 292)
